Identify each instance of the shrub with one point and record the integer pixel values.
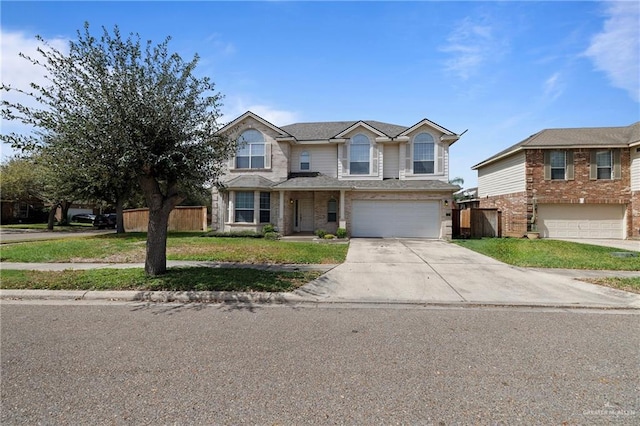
(268, 228)
(271, 236)
(235, 234)
(320, 233)
(341, 233)
(329, 237)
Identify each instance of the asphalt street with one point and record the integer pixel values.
(80, 362)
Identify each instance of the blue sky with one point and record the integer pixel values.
(502, 70)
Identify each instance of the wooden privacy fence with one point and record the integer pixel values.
(181, 218)
(477, 223)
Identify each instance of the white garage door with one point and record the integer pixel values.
(395, 219)
(581, 220)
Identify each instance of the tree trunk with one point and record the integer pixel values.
(52, 217)
(156, 260)
(64, 215)
(119, 217)
(160, 207)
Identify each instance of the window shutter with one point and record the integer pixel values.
(617, 166)
(569, 171)
(407, 165)
(374, 160)
(440, 156)
(232, 163)
(593, 167)
(345, 158)
(547, 165)
(267, 155)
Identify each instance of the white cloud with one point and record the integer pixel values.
(18, 72)
(616, 49)
(239, 106)
(221, 46)
(553, 87)
(471, 45)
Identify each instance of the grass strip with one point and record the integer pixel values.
(545, 253)
(130, 248)
(176, 279)
(631, 284)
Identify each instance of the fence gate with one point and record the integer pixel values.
(477, 223)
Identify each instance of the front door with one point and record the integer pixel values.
(305, 215)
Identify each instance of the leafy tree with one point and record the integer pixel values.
(139, 105)
(28, 178)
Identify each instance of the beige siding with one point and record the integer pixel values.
(391, 161)
(635, 168)
(324, 159)
(504, 177)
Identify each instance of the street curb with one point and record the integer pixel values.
(271, 298)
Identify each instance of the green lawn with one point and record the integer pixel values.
(43, 226)
(631, 284)
(545, 253)
(176, 279)
(130, 248)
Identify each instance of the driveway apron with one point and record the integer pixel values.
(434, 271)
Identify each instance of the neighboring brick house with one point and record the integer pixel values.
(567, 183)
(373, 179)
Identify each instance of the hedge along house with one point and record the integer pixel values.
(567, 183)
(371, 178)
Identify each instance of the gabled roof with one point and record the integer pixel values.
(325, 130)
(232, 124)
(430, 124)
(586, 137)
(331, 129)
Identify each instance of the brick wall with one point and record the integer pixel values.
(514, 212)
(517, 208)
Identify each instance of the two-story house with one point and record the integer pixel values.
(371, 178)
(567, 183)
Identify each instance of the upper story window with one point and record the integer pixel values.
(359, 155)
(604, 165)
(305, 163)
(423, 154)
(251, 150)
(558, 164)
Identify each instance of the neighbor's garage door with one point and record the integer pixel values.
(395, 219)
(581, 220)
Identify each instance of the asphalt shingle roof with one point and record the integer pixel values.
(248, 181)
(323, 182)
(577, 137)
(328, 129)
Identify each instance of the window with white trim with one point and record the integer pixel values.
(305, 162)
(244, 207)
(558, 164)
(332, 210)
(265, 207)
(359, 155)
(604, 164)
(251, 150)
(424, 154)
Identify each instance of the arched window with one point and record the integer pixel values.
(423, 154)
(251, 150)
(305, 163)
(332, 210)
(359, 155)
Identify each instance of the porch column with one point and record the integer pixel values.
(343, 220)
(280, 223)
(232, 202)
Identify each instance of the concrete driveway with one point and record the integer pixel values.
(430, 271)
